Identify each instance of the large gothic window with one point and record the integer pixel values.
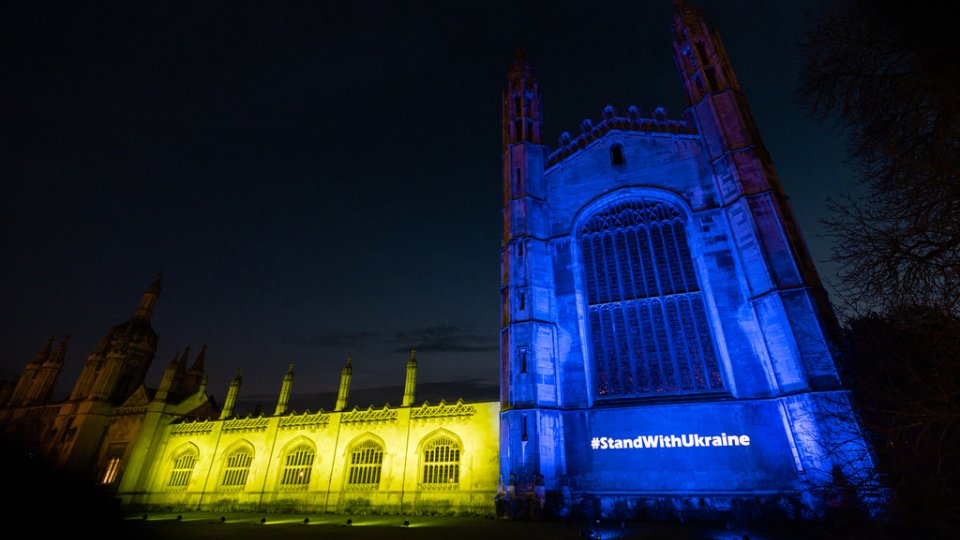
(297, 465)
(366, 460)
(441, 464)
(645, 311)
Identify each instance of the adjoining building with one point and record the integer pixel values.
(171, 448)
(666, 348)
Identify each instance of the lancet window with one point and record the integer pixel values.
(237, 468)
(441, 464)
(182, 469)
(297, 465)
(366, 461)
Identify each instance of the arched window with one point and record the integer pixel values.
(237, 468)
(441, 464)
(182, 469)
(645, 311)
(113, 459)
(616, 154)
(366, 460)
(297, 465)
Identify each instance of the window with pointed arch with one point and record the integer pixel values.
(647, 321)
(182, 469)
(366, 462)
(441, 464)
(236, 470)
(297, 466)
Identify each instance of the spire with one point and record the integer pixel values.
(198, 363)
(182, 362)
(149, 299)
(168, 380)
(61, 353)
(698, 51)
(43, 353)
(232, 392)
(522, 118)
(345, 375)
(410, 387)
(285, 390)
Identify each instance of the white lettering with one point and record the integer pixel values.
(685, 440)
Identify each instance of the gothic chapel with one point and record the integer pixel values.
(665, 343)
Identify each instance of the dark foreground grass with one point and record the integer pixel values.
(329, 526)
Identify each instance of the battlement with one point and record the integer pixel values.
(611, 122)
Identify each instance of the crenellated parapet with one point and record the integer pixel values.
(197, 427)
(443, 410)
(611, 122)
(247, 425)
(306, 420)
(370, 415)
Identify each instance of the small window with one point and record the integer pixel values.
(114, 459)
(702, 49)
(711, 78)
(110, 475)
(616, 154)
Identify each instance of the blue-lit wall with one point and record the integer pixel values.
(734, 307)
(680, 460)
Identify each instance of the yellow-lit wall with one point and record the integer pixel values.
(401, 432)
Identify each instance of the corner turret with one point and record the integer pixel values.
(410, 386)
(345, 375)
(285, 389)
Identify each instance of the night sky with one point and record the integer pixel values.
(321, 179)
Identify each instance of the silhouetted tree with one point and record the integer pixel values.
(904, 371)
(889, 72)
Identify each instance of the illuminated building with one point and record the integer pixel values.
(665, 338)
(412, 458)
(170, 448)
(665, 343)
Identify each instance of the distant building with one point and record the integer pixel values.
(666, 348)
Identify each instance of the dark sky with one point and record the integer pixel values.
(321, 179)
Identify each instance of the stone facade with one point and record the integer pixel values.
(422, 459)
(657, 297)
